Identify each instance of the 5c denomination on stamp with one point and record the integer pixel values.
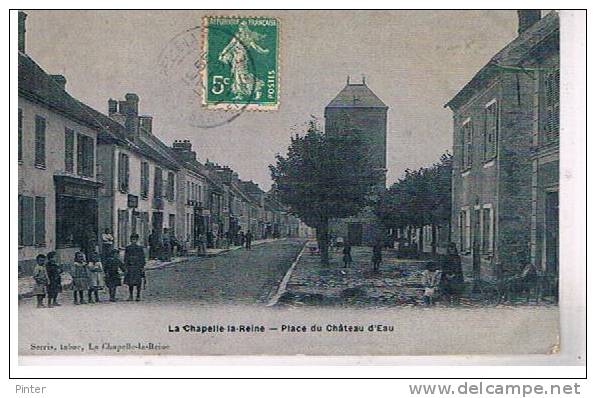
(241, 63)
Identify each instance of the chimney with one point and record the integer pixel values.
(132, 104)
(60, 81)
(183, 150)
(112, 107)
(129, 108)
(22, 30)
(146, 123)
(527, 18)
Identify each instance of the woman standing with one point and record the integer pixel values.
(54, 271)
(453, 276)
(111, 269)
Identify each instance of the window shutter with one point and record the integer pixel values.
(89, 156)
(126, 171)
(40, 141)
(27, 215)
(120, 172)
(40, 220)
(68, 150)
(21, 214)
(20, 134)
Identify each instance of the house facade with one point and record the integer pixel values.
(495, 129)
(139, 183)
(57, 161)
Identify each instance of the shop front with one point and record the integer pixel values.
(76, 216)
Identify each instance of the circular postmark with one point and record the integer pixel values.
(185, 59)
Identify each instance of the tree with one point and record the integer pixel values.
(323, 177)
(419, 198)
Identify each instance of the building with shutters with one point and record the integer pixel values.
(58, 184)
(356, 109)
(139, 176)
(505, 148)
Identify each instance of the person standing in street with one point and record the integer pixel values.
(54, 271)
(111, 268)
(431, 277)
(453, 276)
(153, 244)
(248, 240)
(134, 262)
(40, 277)
(347, 251)
(377, 256)
(80, 278)
(107, 242)
(96, 281)
(166, 246)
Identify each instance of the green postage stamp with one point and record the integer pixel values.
(240, 68)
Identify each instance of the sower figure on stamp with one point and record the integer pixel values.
(111, 269)
(134, 261)
(235, 54)
(54, 271)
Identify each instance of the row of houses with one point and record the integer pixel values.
(82, 171)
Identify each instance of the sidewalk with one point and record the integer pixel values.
(398, 281)
(26, 283)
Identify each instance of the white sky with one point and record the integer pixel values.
(415, 61)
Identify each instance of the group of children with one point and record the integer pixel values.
(88, 276)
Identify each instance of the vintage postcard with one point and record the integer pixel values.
(398, 195)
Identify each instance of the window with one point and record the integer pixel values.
(40, 141)
(123, 172)
(491, 130)
(487, 229)
(170, 189)
(85, 155)
(551, 122)
(158, 183)
(199, 194)
(20, 134)
(188, 197)
(467, 135)
(172, 224)
(144, 179)
(32, 220)
(68, 150)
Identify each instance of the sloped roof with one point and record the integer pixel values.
(38, 86)
(511, 55)
(356, 96)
